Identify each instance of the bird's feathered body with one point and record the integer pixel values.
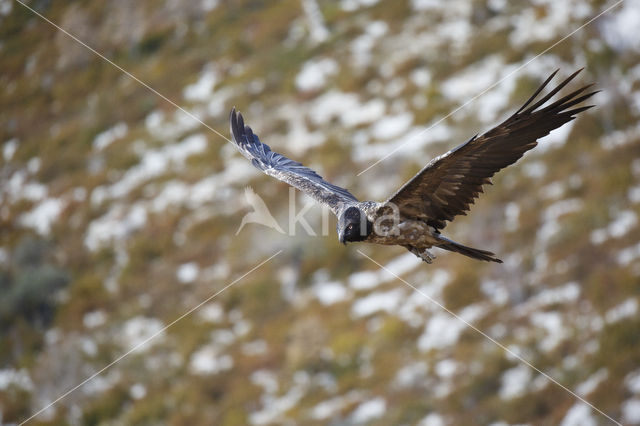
(414, 216)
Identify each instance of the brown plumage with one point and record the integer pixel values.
(445, 188)
(449, 184)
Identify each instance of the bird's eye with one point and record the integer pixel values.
(350, 227)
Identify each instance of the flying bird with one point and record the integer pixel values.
(446, 187)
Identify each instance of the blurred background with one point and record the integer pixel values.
(118, 214)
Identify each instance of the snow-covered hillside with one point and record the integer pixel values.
(120, 213)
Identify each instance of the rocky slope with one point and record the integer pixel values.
(119, 215)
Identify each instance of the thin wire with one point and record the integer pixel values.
(144, 342)
(500, 345)
(393, 151)
(124, 71)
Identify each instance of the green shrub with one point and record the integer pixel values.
(30, 285)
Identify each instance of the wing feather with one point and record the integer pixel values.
(285, 169)
(450, 183)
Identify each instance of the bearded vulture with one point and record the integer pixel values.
(446, 187)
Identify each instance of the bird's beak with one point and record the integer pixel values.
(341, 238)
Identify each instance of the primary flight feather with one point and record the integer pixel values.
(445, 188)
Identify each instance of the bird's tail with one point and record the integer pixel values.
(475, 253)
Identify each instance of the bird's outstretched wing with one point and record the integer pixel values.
(285, 169)
(449, 184)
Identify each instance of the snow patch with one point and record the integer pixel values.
(138, 391)
(411, 375)
(632, 380)
(94, 319)
(353, 5)
(410, 310)
(9, 148)
(407, 144)
(317, 28)
(369, 410)
(628, 255)
(386, 301)
(477, 81)
(211, 189)
(634, 194)
(345, 107)
(433, 419)
(624, 310)
(218, 102)
(298, 131)
(550, 224)
(88, 346)
(552, 323)
(13, 187)
(209, 5)
(331, 407)
(5, 7)
(364, 280)
(579, 415)
(363, 45)
(162, 129)
(552, 191)
(43, 215)
(465, 85)
(208, 360)
(567, 293)
(446, 368)
(392, 126)
(368, 112)
(331, 105)
(18, 378)
(443, 329)
(512, 215)
(187, 272)
(17, 188)
(631, 411)
(106, 138)
(619, 227)
(101, 384)
(620, 138)
(115, 225)
(421, 77)
(211, 312)
(266, 379)
(202, 89)
(329, 293)
(591, 384)
(534, 169)
(515, 382)
(620, 27)
(496, 291)
(141, 329)
(153, 163)
(315, 73)
(531, 26)
(275, 407)
(398, 266)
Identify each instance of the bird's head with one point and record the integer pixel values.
(353, 226)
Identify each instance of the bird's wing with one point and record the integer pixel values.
(449, 184)
(285, 169)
